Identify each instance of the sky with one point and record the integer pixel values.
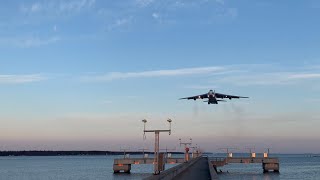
(82, 74)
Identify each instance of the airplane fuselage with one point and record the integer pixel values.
(212, 98)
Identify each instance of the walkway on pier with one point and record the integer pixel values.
(199, 170)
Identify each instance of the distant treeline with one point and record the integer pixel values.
(71, 153)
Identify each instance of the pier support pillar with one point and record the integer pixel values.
(156, 153)
(270, 167)
(126, 168)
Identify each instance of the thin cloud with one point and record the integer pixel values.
(35, 7)
(305, 76)
(157, 73)
(121, 22)
(275, 78)
(169, 12)
(21, 79)
(155, 15)
(144, 3)
(220, 1)
(56, 7)
(27, 42)
(255, 79)
(232, 12)
(76, 5)
(107, 102)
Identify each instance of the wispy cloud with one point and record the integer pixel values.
(57, 7)
(232, 12)
(27, 42)
(144, 3)
(76, 5)
(106, 102)
(157, 73)
(155, 15)
(304, 76)
(35, 7)
(252, 78)
(171, 12)
(121, 22)
(233, 74)
(271, 78)
(220, 1)
(21, 79)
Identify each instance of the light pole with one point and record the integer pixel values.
(124, 151)
(167, 154)
(157, 166)
(229, 154)
(252, 153)
(143, 152)
(186, 153)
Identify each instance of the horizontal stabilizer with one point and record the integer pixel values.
(222, 100)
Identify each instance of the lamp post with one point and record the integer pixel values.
(157, 168)
(186, 149)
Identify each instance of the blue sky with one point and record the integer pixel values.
(81, 74)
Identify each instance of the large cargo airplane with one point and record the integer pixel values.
(212, 97)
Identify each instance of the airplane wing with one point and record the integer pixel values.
(197, 97)
(219, 95)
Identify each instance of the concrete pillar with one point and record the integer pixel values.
(121, 167)
(156, 153)
(270, 167)
(186, 155)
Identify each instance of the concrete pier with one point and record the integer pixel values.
(124, 164)
(268, 164)
(198, 168)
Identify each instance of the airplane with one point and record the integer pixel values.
(212, 97)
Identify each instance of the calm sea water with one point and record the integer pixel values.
(100, 167)
(298, 166)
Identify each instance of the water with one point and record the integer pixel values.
(298, 166)
(100, 167)
(67, 168)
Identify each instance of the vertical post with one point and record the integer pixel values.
(124, 151)
(144, 128)
(186, 149)
(156, 153)
(156, 163)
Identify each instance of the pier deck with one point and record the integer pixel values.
(199, 170)
(268, 164)
(124, 164)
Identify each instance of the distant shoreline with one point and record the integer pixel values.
(72, 153)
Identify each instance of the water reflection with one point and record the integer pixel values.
(249, 175)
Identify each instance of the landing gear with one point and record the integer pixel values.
(208, 102)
